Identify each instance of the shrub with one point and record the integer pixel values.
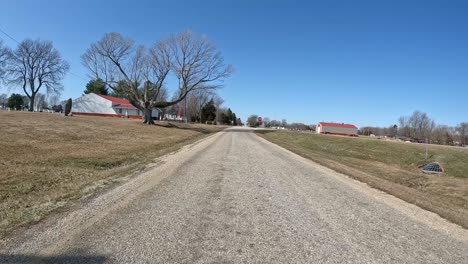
(15, 102)
(68, 107)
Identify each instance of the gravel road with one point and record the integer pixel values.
(236, 198)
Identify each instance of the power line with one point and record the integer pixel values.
(78, 76)
(10, 37)
(6, 34)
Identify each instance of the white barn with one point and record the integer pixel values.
(104, 105)
(337, 129)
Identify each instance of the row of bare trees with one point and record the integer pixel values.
(390, 131)
(203, 106)
(34, 65)
(420, 127)
(267, 122)
(42, 102)
(195, 102)
(141, 73)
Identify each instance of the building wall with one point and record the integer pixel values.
(135, 112)
(336, 130)
(92, 103)
(128, 111)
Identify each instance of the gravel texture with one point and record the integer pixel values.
(236, 198)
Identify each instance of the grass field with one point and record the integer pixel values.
(46, 160)
(391, 167)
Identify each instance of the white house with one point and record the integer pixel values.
(104, 105)
(337, 129)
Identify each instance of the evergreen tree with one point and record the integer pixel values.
(96, 86)
(121, 90)
(208, 112)
(68, 107)
(229, 117)
(15, 101)
(234, 119)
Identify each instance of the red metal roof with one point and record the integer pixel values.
(118, 102)
(337, 125)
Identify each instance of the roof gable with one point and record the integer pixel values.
(118, 102)
(114, 99)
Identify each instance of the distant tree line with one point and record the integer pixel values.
(42, 103)
(205, 107)
(419, 127)
(252, 121)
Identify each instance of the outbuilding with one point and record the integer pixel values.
(103, 105)
(337, 129)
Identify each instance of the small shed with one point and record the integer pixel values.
(337, 129)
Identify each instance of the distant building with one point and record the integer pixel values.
(337, 129)
(103, 105)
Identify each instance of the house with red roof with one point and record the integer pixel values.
(337, 129)
(103, 105)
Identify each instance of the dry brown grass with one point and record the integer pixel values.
(392, 167)
(47, 159)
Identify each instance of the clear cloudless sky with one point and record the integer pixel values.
(362, 62)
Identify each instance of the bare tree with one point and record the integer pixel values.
(4, 54)
(299, 126)
(443, 135)
(421, 124)
(275, 123)
(3, 100)
(193, 60)
(462, 130)
(404, 127)
(392, 131)
(196, 101)
(54, 100)
(218, 101)
(39, 102)
(266, 122)
(418, 126)
(26, 103)
(284, 123)
(36, 64)
(252, 121)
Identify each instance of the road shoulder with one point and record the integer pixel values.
(412, 211)
(45, 235)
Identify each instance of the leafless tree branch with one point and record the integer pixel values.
(4, 54)
(142, 73)
(36, 64)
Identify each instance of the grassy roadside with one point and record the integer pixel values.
(47, 160)
(391, 167)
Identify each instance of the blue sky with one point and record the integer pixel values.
(361, 62)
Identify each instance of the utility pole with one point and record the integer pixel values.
(427, 146)
(185, 109)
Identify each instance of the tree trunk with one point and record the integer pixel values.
(31, 103)
(148, 119)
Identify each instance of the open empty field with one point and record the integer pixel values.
(390, 166)
(47, 159)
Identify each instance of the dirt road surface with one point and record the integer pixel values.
(236, 198)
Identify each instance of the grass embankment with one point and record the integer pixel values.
(391, 167)
(47, 159)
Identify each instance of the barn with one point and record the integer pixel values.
(103, 105)
(337, 129)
